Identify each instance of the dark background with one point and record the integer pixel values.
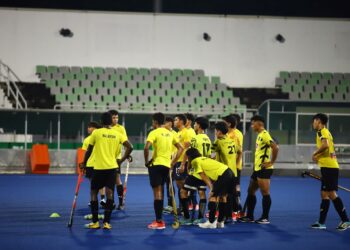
(296, 8)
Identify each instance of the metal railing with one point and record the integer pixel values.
(10, 78)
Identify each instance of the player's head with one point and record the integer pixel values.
(180, 120)
(192, 153)
(115, 116)
(319, 120)
(257, 123)
(92, 126)
(158, 120)
(200, 123)
(106, 119)
(230, 121)
(190, 119)
(169, 123)
(238, 118)
(221, 129)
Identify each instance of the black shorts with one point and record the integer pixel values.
(176, 173)
(329, 180)
(238, 178)
(158, 175)
(225, 184)
(89, 172)
(103, 178)
(192, 184)
(262, 174)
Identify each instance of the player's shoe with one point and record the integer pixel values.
(318, 225)
(93, 225)
(190, 207)
(263, 221)
(197, 207)
(228, 221)
(89, 204)
(185, 222)
(235, 216)
(168, 210)
(197, 221)
(242, 214)
(343, 225)
(103, 203)
(120, 207)
(246, 219)
(157, 225)
(106, 225)
(220, 224)
(216, 214)
(207, 224)
(89, 217)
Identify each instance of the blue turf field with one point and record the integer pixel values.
(28, 200)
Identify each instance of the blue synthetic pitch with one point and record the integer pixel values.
(28, 200)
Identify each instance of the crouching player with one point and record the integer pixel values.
(220, 180)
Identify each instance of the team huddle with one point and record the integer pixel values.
(198, 166)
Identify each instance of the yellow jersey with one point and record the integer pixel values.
(174, 149)
(327, 159)
(121, 130)
(237, 135)
(185, 136)
(262, 149)
(162, 141)
(226, 152)
(211, 168)
(91, 161)
(106, 142)
(203, 144)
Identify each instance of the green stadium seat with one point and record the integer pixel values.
(90, 91)
(119, 99)
(50, 83)
(313, 81)
(97, 84)
(183, 92)
(284, 75)
(343, 88)
(87, 70)
(287, 88)
(115, 77)
(188, 72)
(136, 92)
(216, 94)
(171, 92)
(212, 101)
(155, 85)
(327, 96)
(315, 96)
(80, 76)
(144, 72)
(167, 99)
(52, 69)
(79, 91)
(144, 85)
(171, 78)
(204, 79)
(177, 72)
(126, 77)
(40, 69)
(60, 98)
(301, 81)
(72, 97)
(188, 86)
(133, 71)
(316, 75)
(108, 99)
(109, 84)
(125, 92)
(62, 83)
(98, 70)
(160, 79)
(297, 88)
(215, 80)
(327, 76)
(228, 94)
(69, 76)
(199, 86)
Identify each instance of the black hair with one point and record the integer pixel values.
(189, 116)
(203, 122)
(221, 126)
(322, 117)
(257, 118)
(238, 118)
(169, 119)
(193, 153)
(159, 118)
(182, 117)
(106, 118)
(230, 119)
(94, 124)
(113, 112)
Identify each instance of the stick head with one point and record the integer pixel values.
(303, 174)
(176, 225)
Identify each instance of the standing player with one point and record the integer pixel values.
(232, 121)
(325, 157)
(228, 152)
(105, 144)
(265, 156)
(162, 141)
(169, 124)
(121, 130)
(193, 181)
(219, 178)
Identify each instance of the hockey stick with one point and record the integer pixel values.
(307, 173)
(176, 223)
(80, 180)
(126, 182)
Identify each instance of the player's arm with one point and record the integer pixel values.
(206, 180)
(274, 153)
(128, 149)
(87, 155)
(180, 150)
(324, 147)
(239, 156)
(146, 153)
(187, 145)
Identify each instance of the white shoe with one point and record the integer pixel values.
(207, 224)
(220, 224)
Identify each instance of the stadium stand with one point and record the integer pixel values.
(315, 86)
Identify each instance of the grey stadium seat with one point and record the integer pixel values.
(75, 69)
(110, 71)
(198, 72)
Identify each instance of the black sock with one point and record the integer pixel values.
(222, 207)
(202, 205)
(179, 196)
(266, 204)
(212, 211)
(102, 196)
(158, 209)
(94, 210)
(108, 210)
(120, 192)
(251, 202)
(323, 211)
(184, 203)
(229, 206)
(238, 197)
(339, 206)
